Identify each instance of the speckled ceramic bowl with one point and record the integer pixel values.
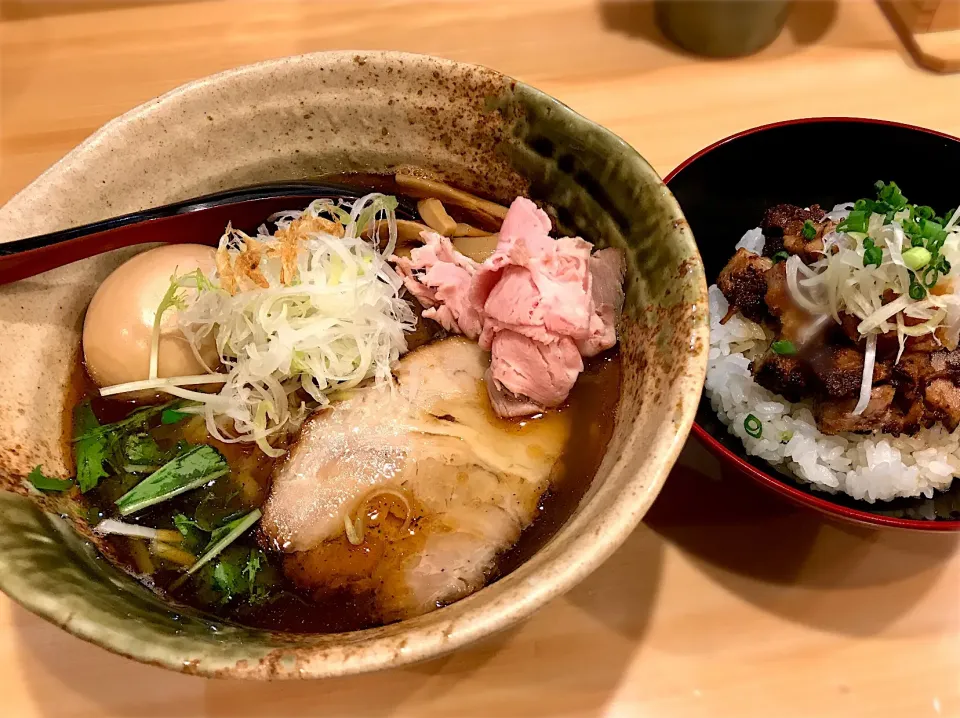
(304, 117)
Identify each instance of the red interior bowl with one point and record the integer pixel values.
(724, 190)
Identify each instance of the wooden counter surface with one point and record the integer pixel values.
(727, 602)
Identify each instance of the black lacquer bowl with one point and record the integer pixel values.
(724, 190)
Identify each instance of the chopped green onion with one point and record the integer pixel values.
(930, 277)
(189, 471)
(916, 257)
(780, 256)
(753, 426)
(873, 255)
(933, 233)
(234, 530)
(859, 236)
(855, 222)
(784, 347)
(916, 241)
(924, 211)
(45, 483)
(891, 195)
(809, 230)
(916, 290)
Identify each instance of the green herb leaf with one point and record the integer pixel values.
(84, 420)
(172, 416)
(809, 230)
(252, 568)
(188, 471)
(236, 572)
(784, 347)
(235, 529)
(228, 579)
(142, 449)
(46, 483)
(780, 256)
(229, 525)
(194, 535)
(185, 524)
(195, 279)
(91, 454)
(136, 420)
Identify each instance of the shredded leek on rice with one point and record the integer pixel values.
(887, 264)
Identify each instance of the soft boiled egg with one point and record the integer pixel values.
(119, 323)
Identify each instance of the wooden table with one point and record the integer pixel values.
(726, 602)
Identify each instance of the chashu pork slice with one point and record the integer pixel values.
(473, 480)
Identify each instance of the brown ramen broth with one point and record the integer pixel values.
(247, 583)
(592, 406)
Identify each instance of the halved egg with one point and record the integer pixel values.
(119, 322)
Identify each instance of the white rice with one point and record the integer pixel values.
(876, 467)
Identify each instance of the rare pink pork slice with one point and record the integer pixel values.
(607, 268)
(440, 278)
(538, 304)
(544, 373)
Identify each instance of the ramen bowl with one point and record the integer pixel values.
(304, 118)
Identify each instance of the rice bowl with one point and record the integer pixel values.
(865, 468)
(876, 467)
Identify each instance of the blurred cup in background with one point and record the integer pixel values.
(721, 28)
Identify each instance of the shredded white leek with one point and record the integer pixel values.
(839, 282)
(163, 384)
(878, 296)
(295, 316)
(120, 528)
(866, 382)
